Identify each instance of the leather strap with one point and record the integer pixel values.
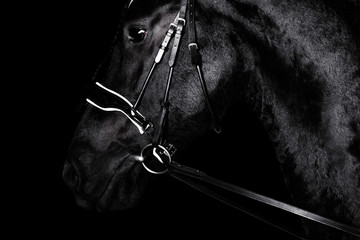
(194, 53)
(197, 63)
(180, 26)
(196, 178)
(158, 59)
(157, 139)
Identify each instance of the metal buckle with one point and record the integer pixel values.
(155, 159)
(192, 45)
(181, 20)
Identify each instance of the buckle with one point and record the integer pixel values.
(191, 45)
(181, 20)
(194, 53)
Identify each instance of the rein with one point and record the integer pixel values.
(197, 180)
(156, 157)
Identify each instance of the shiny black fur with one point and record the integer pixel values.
(296, 64)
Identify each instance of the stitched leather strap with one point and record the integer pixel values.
(196, 179)
(157, 139)
(197, 62)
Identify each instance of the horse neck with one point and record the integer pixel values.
(299, 65)
(302, 79)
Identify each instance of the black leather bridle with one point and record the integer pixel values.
(157, 156)
(109, 100)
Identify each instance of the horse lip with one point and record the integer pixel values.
(102, 203)
(86, 204)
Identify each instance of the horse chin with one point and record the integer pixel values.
(125, 188)
(118, 186)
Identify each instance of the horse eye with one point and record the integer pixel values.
(137, 35)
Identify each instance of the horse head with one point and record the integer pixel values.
(103, 168)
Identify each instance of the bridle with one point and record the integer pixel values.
(157, 156)
(109, 100)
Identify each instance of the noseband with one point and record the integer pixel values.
(157, 156)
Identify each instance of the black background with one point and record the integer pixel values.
(57, 50)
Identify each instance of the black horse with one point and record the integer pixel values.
(295, 64)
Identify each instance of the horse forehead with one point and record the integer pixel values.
(142, 9)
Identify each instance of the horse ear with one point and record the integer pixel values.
(126, 3)
(130, 2)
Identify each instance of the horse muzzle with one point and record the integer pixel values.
(105, 182)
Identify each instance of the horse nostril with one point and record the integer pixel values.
(70, 176)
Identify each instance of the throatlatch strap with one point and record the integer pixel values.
(195, 57)
(197, 62)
